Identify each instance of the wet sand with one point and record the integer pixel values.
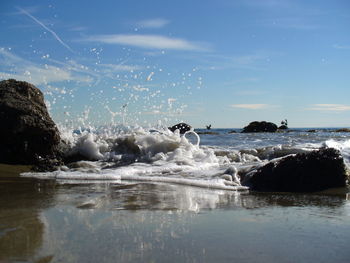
(50, 221)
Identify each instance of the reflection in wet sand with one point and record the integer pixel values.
(157, 196)
(158, 223)
(21, 228)
(61, 221)
(21, 234)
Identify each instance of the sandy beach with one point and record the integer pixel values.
(46, 221)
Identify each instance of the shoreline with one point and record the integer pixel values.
(14, 170)
(45, 221)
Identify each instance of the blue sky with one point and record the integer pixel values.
(222, 62)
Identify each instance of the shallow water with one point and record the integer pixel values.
(77, 221)
(209, 161)
(166, 202)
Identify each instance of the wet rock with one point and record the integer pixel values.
(28, 135)
(307, 172)
(126, 145)
(284, 125)
(260, 126)
(343, 130)
(75, 157)
(182, 127)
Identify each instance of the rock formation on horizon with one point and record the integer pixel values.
(260, 126)
(284, 125)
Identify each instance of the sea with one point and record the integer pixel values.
(203, 158)
(151, 195)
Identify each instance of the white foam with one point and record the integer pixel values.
(339, 145)
(272, 152)
(195, 134)
(211, 184)
(116, 177)
(161, 156)
(343, 147)
(153, 147)
(164, 157)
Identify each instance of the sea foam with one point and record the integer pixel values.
(122, 154)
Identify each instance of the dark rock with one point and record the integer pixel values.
(260, 126)
(182, 127)
(232, 131)
(75, 157)
(126, 145)
(311, 131)
(284, 125)
(28, 135)
(306, 172)
(343, 130)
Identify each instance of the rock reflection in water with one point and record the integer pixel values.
(171, 197)
(21, 227)
(157, 196)
(61, 221)
(162, 223)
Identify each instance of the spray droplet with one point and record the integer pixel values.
(149, 78)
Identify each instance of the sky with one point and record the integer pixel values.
(223, 62)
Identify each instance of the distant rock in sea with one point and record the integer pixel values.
(343, 130)
(28, 134)
(306, 172)
(182, 127)
(260, 126)
(284, 125)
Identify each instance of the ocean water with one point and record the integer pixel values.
(172, 198)
(215, 160)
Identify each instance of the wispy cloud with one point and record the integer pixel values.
(54, 71)
(147, 42)
(248, 59)
(336, 46)
(153, 23)
(18, 68)
(296, 16)
(329, 107)
(119, 67)
(252, 106)
(253, 61)
(41, 75)
(246, 92)
(46, 28)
